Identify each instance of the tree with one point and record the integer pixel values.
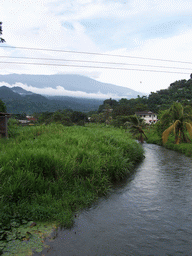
(122, 110)
(179, 119)
(136, 125)
(1, 31)
(78, 117)
(109, 102)
(2, 106)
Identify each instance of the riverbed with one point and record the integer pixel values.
(148, 214)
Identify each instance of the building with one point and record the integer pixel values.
(3, 124)
(148, 116)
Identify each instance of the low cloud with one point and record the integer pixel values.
(60, 91)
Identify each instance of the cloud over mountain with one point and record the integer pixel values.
(67, 85)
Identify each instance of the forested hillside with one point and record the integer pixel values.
(18, 101)
(180, 91)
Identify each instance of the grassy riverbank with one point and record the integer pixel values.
(154, 138)
(47, 173)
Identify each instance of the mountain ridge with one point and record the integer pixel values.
(30, 102)
(70, 83)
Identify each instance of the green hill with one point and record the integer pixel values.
(180, 91)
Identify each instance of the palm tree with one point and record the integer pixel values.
(179, 118)
(136, 125)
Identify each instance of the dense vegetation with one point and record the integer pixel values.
(154, 138)
(174, 129)
(48, 172)
(30, 102)
(179, 91)
(2, 106)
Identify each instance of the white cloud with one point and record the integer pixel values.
(174, 48)
(61, 91)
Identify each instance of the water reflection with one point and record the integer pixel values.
(149, 214)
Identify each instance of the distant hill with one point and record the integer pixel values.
(70, 83)
(18, 100)
(180, 91)
(21, 91)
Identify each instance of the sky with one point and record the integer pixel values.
(135, 39)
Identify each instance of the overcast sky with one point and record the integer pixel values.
(145, 29)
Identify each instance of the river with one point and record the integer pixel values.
(148, 214)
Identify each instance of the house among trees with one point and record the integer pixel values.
(3, 124)
(148, 116)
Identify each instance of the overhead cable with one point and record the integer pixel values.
(101, 67)
(91, 61)
(93, 53)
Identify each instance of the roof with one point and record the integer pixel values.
(5, 114)
(145, 113)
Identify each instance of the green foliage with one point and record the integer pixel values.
(153, 134)
(110, 102)
(184, 148)
(178, 120)
(30, 104)
(136, 126)
(122, 110)
(119, 121)
(2, 106)
(154, 138)
(65, 117)
(13, 129)
(179, 91)
(98, 118)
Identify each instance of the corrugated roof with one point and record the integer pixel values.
(5, 114)
(145, 113)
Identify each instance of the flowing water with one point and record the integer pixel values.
(149, 214)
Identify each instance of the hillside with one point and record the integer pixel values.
(18, 100)
(180, 91)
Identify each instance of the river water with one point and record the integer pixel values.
(148, 214)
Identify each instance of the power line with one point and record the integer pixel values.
(98, 62)
(116, 68)
(93, 53)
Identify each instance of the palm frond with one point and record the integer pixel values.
(189, 128)
(176, 111)
(166, 133)
(176, 128)
(178, 138)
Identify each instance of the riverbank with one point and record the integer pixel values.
(49, 173)
(154, 138)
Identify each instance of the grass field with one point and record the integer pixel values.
(47, 173)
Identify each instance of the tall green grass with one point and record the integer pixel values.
(49, 172)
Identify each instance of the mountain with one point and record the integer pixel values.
(7, 93)
(18, 100)
(70, 83)
(21, 91)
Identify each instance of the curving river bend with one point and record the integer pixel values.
(149, 214)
